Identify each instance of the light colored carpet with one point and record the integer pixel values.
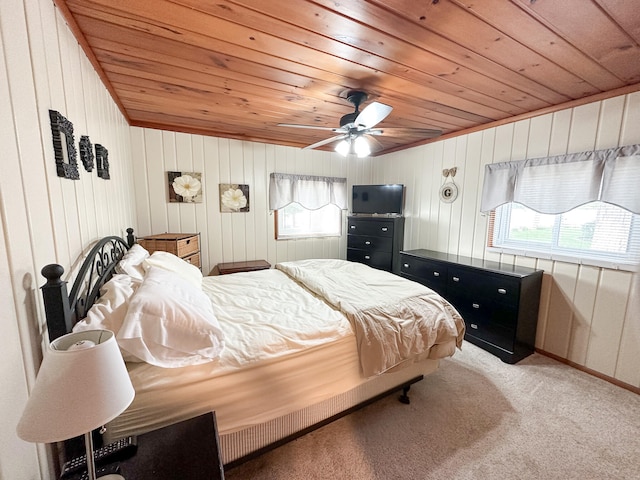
(475, 418)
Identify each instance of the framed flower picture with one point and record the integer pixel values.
(234, 197)
(185, 187)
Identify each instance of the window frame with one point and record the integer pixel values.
(306, 235)
(498, 240)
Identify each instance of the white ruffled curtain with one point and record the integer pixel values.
(310, 191)
(558, 184)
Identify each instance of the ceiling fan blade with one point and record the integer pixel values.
(407, 132)
(375, 144)
(315, 127)
(325, 141)
(373, 114)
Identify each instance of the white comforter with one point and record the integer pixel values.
(395, 320)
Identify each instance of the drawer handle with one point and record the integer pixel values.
(436, 274)
(456, 279)
(384, 229)
(367, 257)
(406, 265)
(367, 242)
(502, 291)
(475, 305)
(474, 326)
(352, 227)
(188, 241)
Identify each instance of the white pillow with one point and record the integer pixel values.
(170, 323)
(172, 263)
(110, 310)
(131, 263)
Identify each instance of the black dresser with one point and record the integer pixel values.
(499, 303)
(376, 241)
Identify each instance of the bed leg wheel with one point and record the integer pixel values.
(404, 398)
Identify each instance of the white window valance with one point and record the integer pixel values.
(558, 184)
(310, 191)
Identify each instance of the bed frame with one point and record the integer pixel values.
(64, 310)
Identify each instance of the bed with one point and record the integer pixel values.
(275, 353)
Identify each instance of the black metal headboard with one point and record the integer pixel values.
(62, 310)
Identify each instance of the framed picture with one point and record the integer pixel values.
(234, 197)
(185, 187)
(64, 148)
(86, 153)
(102, 162)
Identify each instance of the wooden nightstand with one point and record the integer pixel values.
(184, 245)
(248, 266)
(187, 450)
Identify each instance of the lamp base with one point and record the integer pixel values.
(112, 476)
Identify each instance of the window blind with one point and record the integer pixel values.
(310, 191)
(561, 183)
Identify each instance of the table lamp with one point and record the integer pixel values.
(82, 384)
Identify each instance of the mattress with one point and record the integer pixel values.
(283, 347)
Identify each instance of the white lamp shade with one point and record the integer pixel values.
(361, 147)
(82, 384)
(343, 147)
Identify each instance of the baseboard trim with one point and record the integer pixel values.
(590, 371)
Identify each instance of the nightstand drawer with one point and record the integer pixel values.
(183, 245)
(187, 246)
(193, 259)
(179, 244)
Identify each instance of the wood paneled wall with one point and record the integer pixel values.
(589, 316)
(228, 237)
(44, 218)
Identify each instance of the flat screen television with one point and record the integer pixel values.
(377, 199)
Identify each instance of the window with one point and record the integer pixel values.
(295, 221)
(307, 205)
(590, 203)
(596, 233)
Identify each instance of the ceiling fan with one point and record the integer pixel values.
(356, 128)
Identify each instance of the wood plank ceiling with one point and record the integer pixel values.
(238, 68)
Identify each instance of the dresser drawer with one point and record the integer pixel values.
(378, 259)
(431, 274)
(370, 244)
(486, 286)
(489, 321)
(371, 227)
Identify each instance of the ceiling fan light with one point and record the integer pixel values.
(361, 147)
(343, 148)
